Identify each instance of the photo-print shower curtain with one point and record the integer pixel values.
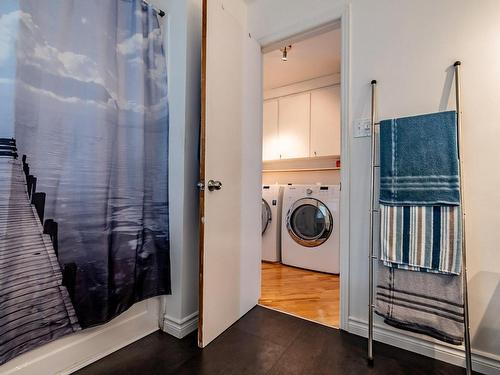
(83, 166)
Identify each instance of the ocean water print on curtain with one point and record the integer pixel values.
(84, 214)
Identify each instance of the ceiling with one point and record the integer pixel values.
(310, 58)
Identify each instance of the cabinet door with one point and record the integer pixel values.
(294, 124)
(325, 121)
(270, 141)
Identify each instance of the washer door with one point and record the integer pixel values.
(309, 222)
(267, 216)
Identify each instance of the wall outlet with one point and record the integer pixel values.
(362, 128)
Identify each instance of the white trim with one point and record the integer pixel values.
(305, 27)
(71, 353)
(329, 26)
(180, 327)
(345, 172)
(485, 363)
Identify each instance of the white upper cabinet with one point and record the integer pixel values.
(302, 120)
(294, 123)
(270, 145)
(325, 121)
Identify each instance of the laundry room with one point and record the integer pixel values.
(301, 176)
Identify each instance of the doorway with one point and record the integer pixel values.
(231, 143)
(301, 176)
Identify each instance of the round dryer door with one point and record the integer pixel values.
(266, 215)
(309, 222)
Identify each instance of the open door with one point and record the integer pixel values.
(230, 168)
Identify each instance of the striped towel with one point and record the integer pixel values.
(421, 238)
(426, 303)
(419, 160)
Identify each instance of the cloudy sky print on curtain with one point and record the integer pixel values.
(83, 92)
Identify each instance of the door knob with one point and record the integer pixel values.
(214, 185)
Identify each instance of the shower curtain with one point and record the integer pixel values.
(83, 95)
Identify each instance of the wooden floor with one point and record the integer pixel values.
(307, 294)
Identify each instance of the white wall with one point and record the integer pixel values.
(409, 50)
(281, 17)
(183, 40)
(409, 46)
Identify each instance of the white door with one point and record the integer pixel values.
(270, 144)
(294, 125)
(325, 121)
(231, 154)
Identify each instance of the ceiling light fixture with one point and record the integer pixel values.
(284, 51)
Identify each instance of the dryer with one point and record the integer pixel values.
(272, 196)
(310, 227)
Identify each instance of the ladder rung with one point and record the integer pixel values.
(374, 257)
(376, 166)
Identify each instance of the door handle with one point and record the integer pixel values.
(214, 185)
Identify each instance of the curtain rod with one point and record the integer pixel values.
(160, 12)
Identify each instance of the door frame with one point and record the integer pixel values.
(305, 27)
(201, 203)
(302, 30)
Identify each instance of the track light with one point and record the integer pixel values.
(284, 51)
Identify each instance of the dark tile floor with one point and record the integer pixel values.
(265, 342)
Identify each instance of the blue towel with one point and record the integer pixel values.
(419, 160)
(421, 238)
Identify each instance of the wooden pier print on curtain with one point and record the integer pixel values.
(35, 306)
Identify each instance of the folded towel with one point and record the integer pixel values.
(421, 238)
(426, 303)
(419, 160)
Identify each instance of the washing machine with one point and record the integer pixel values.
(272, 196)
(310, 227)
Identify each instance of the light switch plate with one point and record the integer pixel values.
(362, 128)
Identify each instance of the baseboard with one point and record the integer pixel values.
(481, 362)
(71, 353)
(180, 327)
